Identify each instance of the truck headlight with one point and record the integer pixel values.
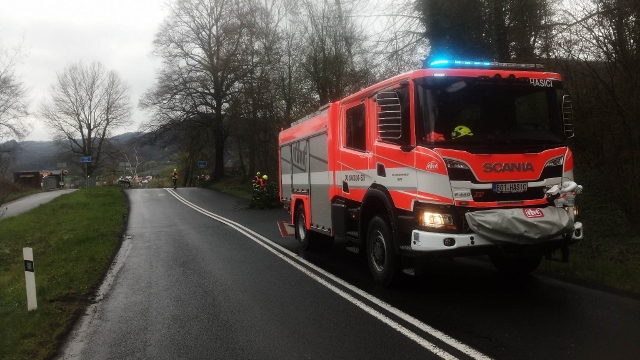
(437, 220)
(557, 161)
(454, 164)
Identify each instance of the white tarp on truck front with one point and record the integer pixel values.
(521, 225)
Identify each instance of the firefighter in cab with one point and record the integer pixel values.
(460, 131)
(174, 178)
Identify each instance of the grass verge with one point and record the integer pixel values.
(10, 191)
(621, 277)
(74, 239)
(234, 186)
(17, 195)
(609, 254)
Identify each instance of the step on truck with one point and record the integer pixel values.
(460, 158)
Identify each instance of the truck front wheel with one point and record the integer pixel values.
(381, 256)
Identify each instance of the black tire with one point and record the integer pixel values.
(308, 239)
(384, 263)
(516, 265)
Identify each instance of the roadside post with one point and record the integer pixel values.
(63, 172)
(86, 159)
(30, 279)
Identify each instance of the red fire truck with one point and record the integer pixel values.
(460, 158)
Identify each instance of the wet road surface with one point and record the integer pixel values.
(191, 286)
(27, 203)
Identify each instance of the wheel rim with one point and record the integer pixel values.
(378, 251)
(302, 227)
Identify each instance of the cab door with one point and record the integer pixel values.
(394, 145)
(355, 156)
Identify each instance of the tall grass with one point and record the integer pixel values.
(10, 191)
(609, 254)
(74, 239)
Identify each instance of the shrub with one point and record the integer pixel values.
(265, 197)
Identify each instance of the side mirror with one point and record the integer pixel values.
(567, 116)
(389, 115)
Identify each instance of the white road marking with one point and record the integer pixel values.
(289, 257)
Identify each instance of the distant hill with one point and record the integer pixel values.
(30, 155)
(45, 155)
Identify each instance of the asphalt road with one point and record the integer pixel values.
(190, 286)
(27, 203)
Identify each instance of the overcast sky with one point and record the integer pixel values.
(56, 33)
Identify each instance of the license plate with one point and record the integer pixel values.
(510, 188)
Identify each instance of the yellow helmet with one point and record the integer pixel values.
(460, 131)
(265, 177)
(175, 169)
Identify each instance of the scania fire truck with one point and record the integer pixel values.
(460, 158)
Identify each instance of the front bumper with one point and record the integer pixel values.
(433, 242)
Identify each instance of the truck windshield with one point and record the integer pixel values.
(466, 112)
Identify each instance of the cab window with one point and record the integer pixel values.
(356, 131)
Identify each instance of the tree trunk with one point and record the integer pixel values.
(219, 156)
(218, 144)
(188, 171)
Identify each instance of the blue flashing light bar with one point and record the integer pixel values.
(458, 64)
(439, 62)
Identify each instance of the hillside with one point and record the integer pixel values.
(45, 155)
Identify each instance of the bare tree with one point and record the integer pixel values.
(204, 46)
(13, 96)
(331, 52)
(291, 83)
(13, 111)
(87, 104)
(600, 58)
(488, 29)
(131, 164)
(395, 32)
(265, 99)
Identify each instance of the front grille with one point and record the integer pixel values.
(488, 195)
(457, 174)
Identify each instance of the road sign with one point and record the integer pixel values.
(202, 164)
(85, 159)
(62, 165)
